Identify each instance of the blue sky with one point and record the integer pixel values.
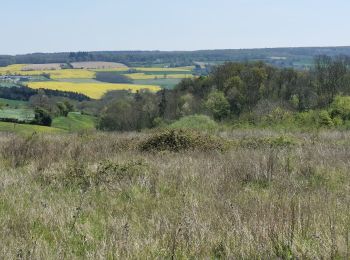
(87, 25)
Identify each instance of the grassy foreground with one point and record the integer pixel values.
(99, 196)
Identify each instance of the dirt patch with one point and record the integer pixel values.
(97, 65)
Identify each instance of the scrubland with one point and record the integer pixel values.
(252, 194)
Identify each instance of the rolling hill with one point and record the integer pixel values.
(283, 57)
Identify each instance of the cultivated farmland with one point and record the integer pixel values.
(92, 90)
(97, 65)
(11, 69)
(154, 76)
(73, 74)
(49, 66)
(155, 69)
(82, 78)
(167, 83)
(59, 74)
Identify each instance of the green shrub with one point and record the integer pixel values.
(340, 107)
(346, 125)
(159, 122)
(282, 141)
(278, 115)
(177, 140)
(338, 121)
(42, 117)
(314, 118)
(308, 118)
(218, 105)
(195, 122)
(325, 119)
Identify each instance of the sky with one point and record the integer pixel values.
(89, 25)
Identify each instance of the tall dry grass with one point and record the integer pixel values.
(98, 196)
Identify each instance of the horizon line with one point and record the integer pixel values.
(195, 50)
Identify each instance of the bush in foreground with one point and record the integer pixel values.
(181, 140)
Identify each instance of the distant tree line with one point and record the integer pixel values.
(67, 94)
(282, 57)
(231, 91)
(25, 93)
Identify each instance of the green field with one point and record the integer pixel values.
(74, 122)
(21, 114)
(4, 84)
(13, 103)
(163, 83)
(25, 129)
(38, 78)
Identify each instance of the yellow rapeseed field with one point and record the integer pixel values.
(147, 76)
(92, 90)
(72, 74)
(16, 69)
(85, 73)
(60, 74)
(12, 69)
(112, 69)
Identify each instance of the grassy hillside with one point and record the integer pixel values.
(74, 122)
(21, 114)
(98, 196)
(4, 84)
(25, 129)
(13, 103)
